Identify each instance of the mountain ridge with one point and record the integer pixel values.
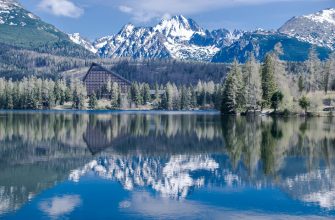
(183, 39)
(21, 28)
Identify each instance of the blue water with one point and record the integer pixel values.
(63, 165)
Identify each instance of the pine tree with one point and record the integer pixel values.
(78, 93)
(233, 100)
(304, 103)
(156, 91)
(92, 103)
(268, 79)
(185, 98)
(252, 82)
(9, 95)
(164, 102)
(136, 94)
(169, 96)
(146, 93)
(115, 96)
(193, 101)
(276, 99)
(313, 70)
(328, 73)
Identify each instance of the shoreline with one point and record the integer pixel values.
(87, 111)
(178, 112)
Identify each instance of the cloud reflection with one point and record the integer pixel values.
(59, 206)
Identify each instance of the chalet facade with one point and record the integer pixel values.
(97, 77)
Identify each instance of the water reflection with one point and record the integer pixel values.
(174, 155)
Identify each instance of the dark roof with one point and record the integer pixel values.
(104, 69)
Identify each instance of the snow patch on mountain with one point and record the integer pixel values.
(170, 38)
(317, 28)
(178, 28)
(327, 15)
(77, 39)
(13, 14)
(6, 5)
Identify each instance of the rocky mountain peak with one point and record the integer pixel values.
(178, 27)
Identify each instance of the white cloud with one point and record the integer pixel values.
(125, 9)
(145, 10)
(64, 8)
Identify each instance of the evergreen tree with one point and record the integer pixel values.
(146, 93)
(276, 99)
(304, 103)
(252, 82)
(92, 102)
(268, 79)
(156, 91)
(164, 102)
(9, 95)
(136, 94)
(313, 70)
(78, 92)
(328, 73)
(115, 103)
(193, 100)
(185, 98)
(233, 94)
(169, 96)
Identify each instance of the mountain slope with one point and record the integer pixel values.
(20, 28)
(260, 42)
(77, 39)
(318, 28)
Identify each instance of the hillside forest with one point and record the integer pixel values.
(273, 85)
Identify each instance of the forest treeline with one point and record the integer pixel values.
(254, 86)
(248, 87)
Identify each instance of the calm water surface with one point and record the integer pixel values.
(168, 166)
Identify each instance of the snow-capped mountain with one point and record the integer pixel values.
(22, 29)
(183, 39)
(13, 14)
(261, 42)
(76, 38)
(317, 28)
(177, 37)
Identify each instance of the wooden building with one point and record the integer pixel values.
(97, 77)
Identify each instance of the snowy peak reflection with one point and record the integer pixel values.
(172, 177)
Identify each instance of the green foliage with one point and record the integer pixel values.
(233, 100)
(115, 96)
(252, 82)
(304, 103)
(136, 95)
(276, 99)
(92, 103)
(146, 93)
(78, 92)
(268, 79)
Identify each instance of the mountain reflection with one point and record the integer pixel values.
(172, 154)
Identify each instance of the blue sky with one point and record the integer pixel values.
(97, 18)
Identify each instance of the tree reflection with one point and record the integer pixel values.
(204, 149)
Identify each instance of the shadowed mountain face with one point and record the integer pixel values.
(47, 159)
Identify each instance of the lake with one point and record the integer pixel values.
(161, 165)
